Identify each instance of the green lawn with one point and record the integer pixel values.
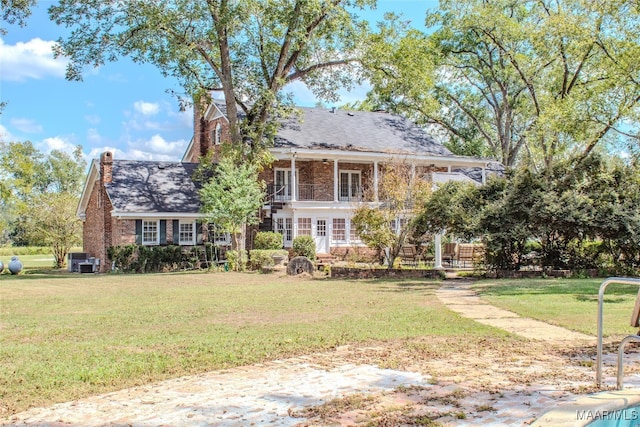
(29, 262)
(571, 303)
(67, 336)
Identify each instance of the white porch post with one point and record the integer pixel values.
(438, 251)
(375, 181)
(335, 180)
(293, 178)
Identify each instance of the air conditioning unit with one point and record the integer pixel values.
(74, 259)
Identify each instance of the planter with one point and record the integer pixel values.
(277, 259)
(15, 265)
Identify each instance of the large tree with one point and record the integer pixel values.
(247, 49)
(535, 80)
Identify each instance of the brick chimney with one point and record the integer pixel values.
(106, 167)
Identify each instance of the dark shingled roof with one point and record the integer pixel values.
(153, 187)
(319, 128)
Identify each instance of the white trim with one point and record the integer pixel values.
(213, 112)
(188, 150)
(93, 175)
(281, 153)
(194, 232)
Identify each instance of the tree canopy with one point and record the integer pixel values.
(533, 81)
(247, 49)
(38, 197)
(583, 216)
(387, 226)
(232, 198)
(16, 12)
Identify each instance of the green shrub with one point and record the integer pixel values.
(145, 259)
(259, 258)
(268, 240)
(304, 246)
(237, 260)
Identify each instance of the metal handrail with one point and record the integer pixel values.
(603, 287)
(625, 340)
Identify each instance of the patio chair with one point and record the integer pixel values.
(450, 253)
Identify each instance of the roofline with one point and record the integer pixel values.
(92, 176)
(188, 150)
(214, 114)
(287, 153)
(156, 215)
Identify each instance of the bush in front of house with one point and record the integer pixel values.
(237, 260)
(268, 240)
(146, 259)
(259, 258)
(304, 246)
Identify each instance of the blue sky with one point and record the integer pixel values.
(121, 106)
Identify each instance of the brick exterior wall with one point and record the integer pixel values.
(96, 235)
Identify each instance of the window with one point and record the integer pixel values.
(353, 236)
(150, 234)
(349, 185)
(221, 238)
(304, 226)
(282, 188)
(217, 236)
(339, 229)
(187, 233)
(217, 136)
(284, 226)
(321, 230)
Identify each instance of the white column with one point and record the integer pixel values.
(375, 181)
(335, 180)
(484, 175)
(438, 251)
(293, 178)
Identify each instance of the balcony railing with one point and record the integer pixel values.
(314, 193)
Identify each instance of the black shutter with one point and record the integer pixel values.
(138, 231)
(163, 231)
(176, 232)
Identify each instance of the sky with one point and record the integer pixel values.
(121, 107)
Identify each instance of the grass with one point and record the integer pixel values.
(570, 303)
(30, 262)
(67, 336)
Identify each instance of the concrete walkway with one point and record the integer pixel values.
(457, 296)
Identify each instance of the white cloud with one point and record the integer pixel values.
(30, 60)
(146, 108)
(26, 125)
(92, 119)
(183, 118)
(5, 135)
(57, 143)
(155, 148)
